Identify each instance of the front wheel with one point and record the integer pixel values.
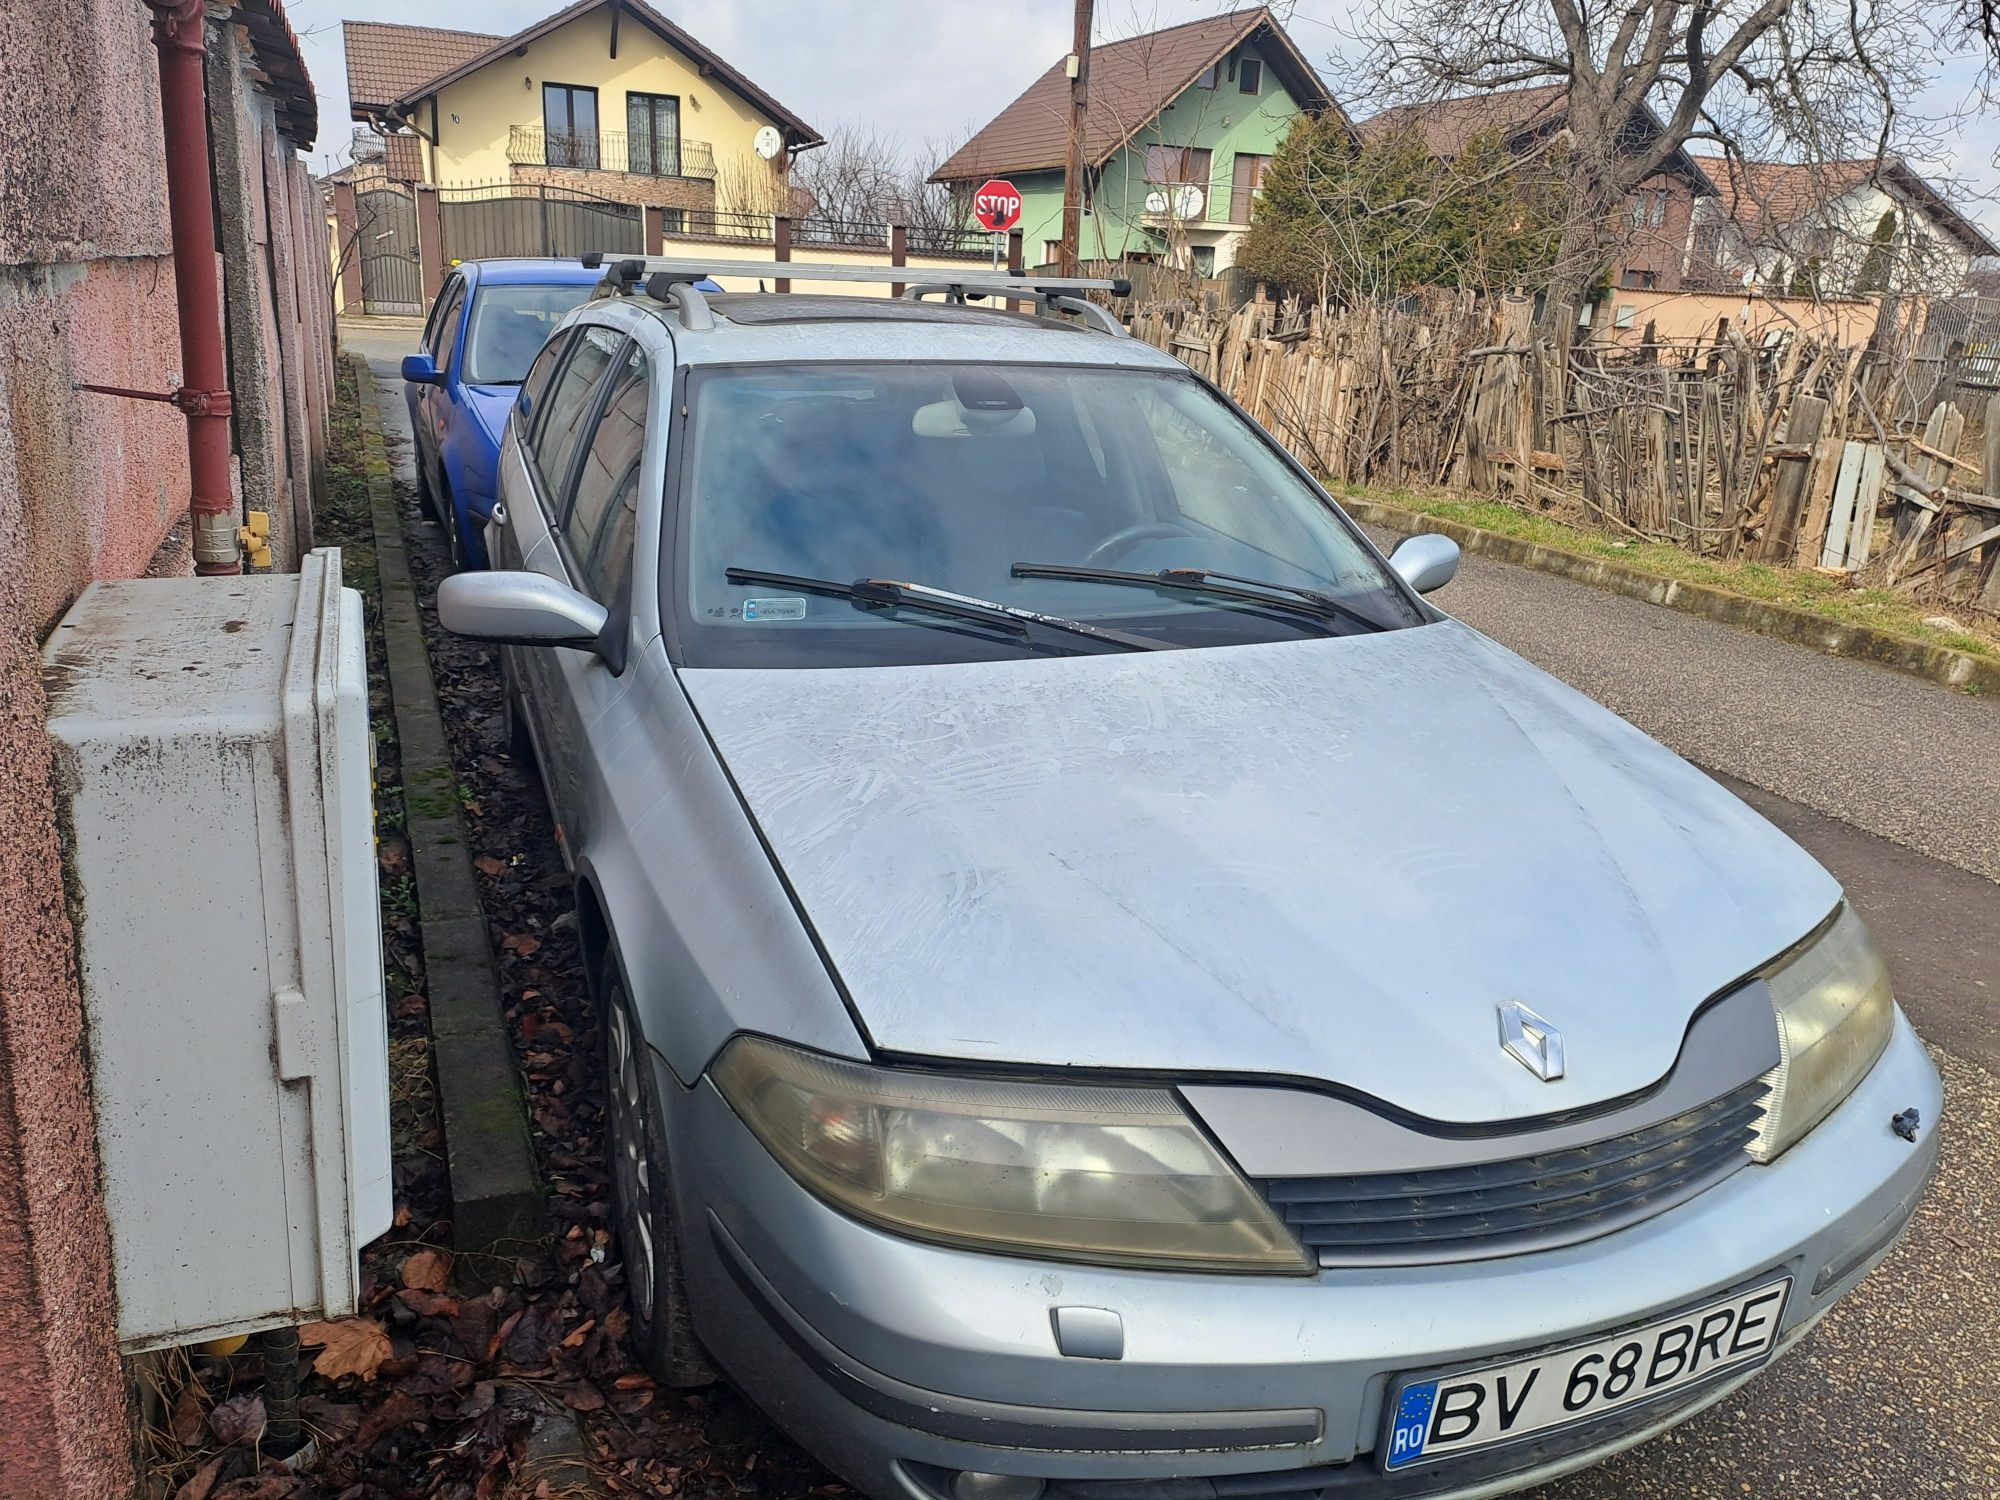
(642, 1205)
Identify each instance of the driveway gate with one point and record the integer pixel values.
(386, 225)
(534, 220)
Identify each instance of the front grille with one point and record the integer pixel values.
(1457, 1213)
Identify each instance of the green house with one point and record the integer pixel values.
(1180, 126)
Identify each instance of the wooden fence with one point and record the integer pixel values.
(1785, 451)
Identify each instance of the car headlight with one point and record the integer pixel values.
(1119, 1176)
(1835, 1013)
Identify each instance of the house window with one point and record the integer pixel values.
(569, 125)
(1250, 76)
(1177, 164)
(1246, 183)
(1051, 252)
(653, 134)
(1638, 281)
(1626, 316)
(1649, 208)
(1211, 76)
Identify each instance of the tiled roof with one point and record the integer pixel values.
(386, 61)
(283, 66)
(478, 50)
(1521, 116)
(1447, 124)
(1766, 196)
(1131, 81)
(403, 158)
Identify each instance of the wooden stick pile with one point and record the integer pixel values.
(1769, 450)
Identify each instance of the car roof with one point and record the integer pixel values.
(526, 271)
(778, 327)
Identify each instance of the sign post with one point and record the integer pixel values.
(997, 207)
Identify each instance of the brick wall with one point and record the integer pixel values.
(624, 187)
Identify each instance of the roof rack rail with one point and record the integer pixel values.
(672, 280)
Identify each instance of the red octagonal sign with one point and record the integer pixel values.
(997, 205)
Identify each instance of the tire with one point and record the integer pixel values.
(642, 1205)
(514, 736)
(426, 497)
(448, 514)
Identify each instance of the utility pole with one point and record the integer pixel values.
(1067, 253)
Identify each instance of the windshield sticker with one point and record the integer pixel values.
(774, 609)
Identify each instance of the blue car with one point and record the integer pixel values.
(485, 329)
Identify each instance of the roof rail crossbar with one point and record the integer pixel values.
(672, 279)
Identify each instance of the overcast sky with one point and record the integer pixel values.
(929, 70)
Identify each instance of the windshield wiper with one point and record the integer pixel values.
(1222, 585)
(887, 593)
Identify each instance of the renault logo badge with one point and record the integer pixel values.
(1531, 1041)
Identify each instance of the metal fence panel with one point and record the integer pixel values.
(533, 220)
(386, 246)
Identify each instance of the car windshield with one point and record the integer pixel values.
(1003, 483)
(509, 326)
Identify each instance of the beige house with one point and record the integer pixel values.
(607, 97)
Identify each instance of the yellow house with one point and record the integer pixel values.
(605, 97)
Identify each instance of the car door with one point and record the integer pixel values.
(593, 548)
(519, 511)
(433, 409)
(559, 437)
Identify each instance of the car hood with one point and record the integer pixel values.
(490, 405)
(1328, 860)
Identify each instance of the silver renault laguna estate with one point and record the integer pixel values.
(1108, 994)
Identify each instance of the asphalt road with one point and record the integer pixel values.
(1894, 784)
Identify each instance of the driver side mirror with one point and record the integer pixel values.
(1426, 562)
(520, 609)
(421, 369)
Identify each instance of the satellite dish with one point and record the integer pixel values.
(1187, 202)
(1156, 203)
(767, 143)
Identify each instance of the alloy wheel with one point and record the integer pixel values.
(631, 1159)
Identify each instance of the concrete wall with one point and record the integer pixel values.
(95, 486)
(1688, 316)
(89, 487)
(278, 298)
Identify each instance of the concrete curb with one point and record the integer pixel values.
(1940, 664)
(495, 1188)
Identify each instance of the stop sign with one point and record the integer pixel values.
(997, 205)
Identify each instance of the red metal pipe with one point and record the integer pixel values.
(204, 394)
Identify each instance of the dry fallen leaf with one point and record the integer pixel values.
(198, 1487)
(351, 1346)
(486, 864)
(237, 1421)
(522, 943)
(429, 1270)
(185, 1423)
(428, 1304)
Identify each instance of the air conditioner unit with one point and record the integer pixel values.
(215, 769)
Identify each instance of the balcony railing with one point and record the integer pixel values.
(610, 151)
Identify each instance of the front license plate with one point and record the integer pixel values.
(1434, 1417)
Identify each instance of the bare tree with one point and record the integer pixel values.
(1794, 78)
